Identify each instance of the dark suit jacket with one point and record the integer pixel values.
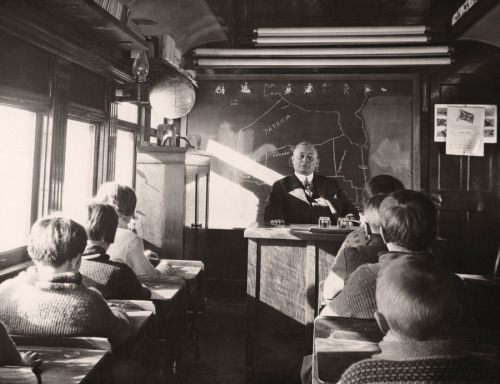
(288, 201)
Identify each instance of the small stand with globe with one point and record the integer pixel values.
(173, 96)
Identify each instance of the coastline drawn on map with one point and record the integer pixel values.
(359, 127)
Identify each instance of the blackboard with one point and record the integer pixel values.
(361, 125)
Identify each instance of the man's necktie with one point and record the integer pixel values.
(308, 187)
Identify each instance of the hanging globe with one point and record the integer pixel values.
(173, 96)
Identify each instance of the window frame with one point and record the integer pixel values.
(39, 105)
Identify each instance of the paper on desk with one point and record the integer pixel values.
(464, 133)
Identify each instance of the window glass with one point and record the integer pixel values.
(125, 150)
(17, 148)
(79, 164)
(128, 112)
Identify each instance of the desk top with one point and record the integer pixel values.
(139, 311)
(163, 291)
(294, 232)
(66, 365)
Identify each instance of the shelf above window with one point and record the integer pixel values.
(97, 24)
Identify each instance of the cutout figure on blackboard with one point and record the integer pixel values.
(324, 88)
(245, 88)
(288, 89)
(347, 89)
(268, 89)
(220, 90)
(308, 88)
(368, 89)
(303, 196)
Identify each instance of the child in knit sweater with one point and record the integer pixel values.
(128, 246)
(113, 279)
(49, 299)
(408, 226)
(416, 308)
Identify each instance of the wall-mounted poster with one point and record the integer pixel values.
(464, 134)
(441, 114)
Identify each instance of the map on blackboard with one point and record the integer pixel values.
(360, 128)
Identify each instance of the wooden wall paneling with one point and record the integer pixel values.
(468, 215)
(152, 204)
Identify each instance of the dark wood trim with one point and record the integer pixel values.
(58, 115)
(28, 25)
(112, 132)
(82, 112)
(23, 99)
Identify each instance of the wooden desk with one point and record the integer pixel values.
(345, 341)
(285, 266)
(82, 359)
(68, 365)
(171, 307)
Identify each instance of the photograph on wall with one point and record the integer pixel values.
(441, 112)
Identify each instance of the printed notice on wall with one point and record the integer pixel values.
(464, 134)
(441, 121)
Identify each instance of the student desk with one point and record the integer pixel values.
(285, 266)
(82, 359)
(170, 303)
(63, 365)
(340, 341)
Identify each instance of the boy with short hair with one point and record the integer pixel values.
(416, 308)
(113, 279)
(350, 258)
(49, 299)
(408, 222)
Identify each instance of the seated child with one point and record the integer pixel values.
(9, 355)
(49, 299)
(129, 247)
(113, 279)
(351, 258)
(380, 184)
(416, 307)
(408, 225)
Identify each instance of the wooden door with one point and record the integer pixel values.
(467, 186)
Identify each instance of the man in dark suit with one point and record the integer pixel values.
(303, 197)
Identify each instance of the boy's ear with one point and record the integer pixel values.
(76, 262)
(382, 322)
(382, 234)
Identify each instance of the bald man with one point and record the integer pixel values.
(303, 196)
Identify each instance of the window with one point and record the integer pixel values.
(17, 148)
(125, 157)
(79, 164)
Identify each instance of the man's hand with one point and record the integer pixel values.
(30, 359)
(322, 202)
(277, 222)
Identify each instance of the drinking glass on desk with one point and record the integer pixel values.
(324, 222)
(342, 222)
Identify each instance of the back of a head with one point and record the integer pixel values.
(102, 222)
(372, 211)
(54, 240)
(119, 195)
(417, 298)
(409, 219)
(384, 184)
